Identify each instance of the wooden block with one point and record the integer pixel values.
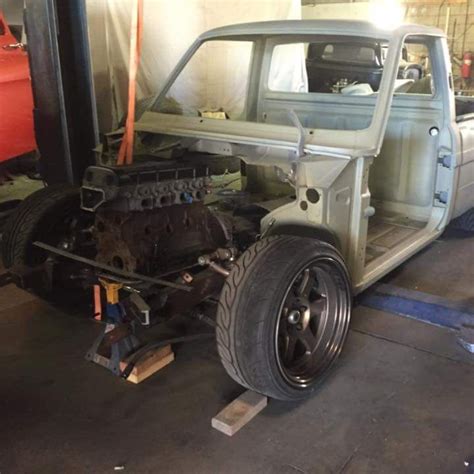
(238, 413)
(150, 363)
(433, 2)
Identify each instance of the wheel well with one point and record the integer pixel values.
(299, 230)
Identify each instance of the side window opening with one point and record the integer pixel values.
(414, 71)
(352, 66)
(341, 65)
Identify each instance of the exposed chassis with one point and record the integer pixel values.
(282, 265)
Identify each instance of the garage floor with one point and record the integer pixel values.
(400, 401)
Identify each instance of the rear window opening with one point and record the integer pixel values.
(352, 67)
(363, 55)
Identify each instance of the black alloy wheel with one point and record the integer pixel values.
(283, 316)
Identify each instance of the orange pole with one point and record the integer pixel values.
(136, 33)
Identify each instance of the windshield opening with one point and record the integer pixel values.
(213, 84)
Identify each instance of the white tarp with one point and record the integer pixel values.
(170, 26)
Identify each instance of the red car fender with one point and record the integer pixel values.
(16, 98)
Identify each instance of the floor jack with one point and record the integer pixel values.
(117, 345)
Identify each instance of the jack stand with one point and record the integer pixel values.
(117, 342)
(114, 349)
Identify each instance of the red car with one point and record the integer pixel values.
(16, 99)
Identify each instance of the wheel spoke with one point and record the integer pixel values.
(302, 362)
(318, 306)
(289, 349)
(307, 338)
(318, 277)
(310, 332)
(305, 285)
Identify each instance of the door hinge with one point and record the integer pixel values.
(445, 160)
(442, 196)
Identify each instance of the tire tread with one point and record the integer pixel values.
(232, 335)
(22, 223)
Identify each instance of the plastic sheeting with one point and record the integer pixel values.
(170, 26)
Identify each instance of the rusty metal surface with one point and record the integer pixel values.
(205, 285)
(150, 242)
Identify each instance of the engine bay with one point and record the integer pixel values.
(176, 220)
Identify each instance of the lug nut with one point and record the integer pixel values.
(294, 316)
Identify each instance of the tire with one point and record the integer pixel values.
(465, 221)
(44, 216)
(262, 316)
(35, 217)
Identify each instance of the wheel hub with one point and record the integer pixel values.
(306, 324)
(294, 317)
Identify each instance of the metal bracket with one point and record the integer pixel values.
(109, 268)
(442, 196)
(112, 346)
(445, 160)
(301, 132)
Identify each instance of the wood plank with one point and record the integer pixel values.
(150, 363)
(432, 2)
(238, 413)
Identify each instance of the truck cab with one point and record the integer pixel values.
(391, 166)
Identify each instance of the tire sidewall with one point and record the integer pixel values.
(44, 208)
(260, 343)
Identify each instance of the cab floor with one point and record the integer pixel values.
(384, 233)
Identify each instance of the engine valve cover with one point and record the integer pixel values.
(143, 187)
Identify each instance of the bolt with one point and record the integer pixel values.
(294, 316)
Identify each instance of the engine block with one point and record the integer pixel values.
(157, 240)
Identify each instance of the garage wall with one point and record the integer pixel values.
(459, 18)
(169, 29)
(426, 12)
(13, 11)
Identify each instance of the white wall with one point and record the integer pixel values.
(339, 11)
(170, 26)
(13, 11)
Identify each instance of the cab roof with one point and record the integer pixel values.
(328, 27)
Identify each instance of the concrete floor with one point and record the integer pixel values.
(400, 401)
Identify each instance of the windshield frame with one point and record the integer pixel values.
(366, 142)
